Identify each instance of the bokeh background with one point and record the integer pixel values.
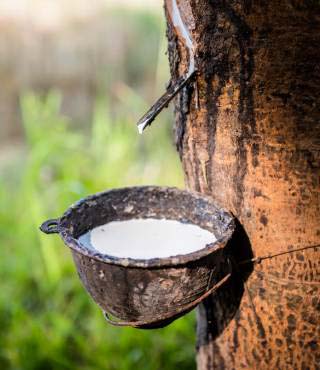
(75, 77)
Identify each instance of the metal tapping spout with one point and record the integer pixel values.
(173, 86)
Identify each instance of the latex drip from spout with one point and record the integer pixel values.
(175, 87)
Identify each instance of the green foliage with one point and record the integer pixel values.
(47, 319)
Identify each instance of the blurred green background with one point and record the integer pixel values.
(51, 156)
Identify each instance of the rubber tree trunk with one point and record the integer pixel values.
(248, 134)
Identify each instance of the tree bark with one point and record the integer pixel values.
(248, 134)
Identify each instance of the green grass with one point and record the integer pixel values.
(47, 319)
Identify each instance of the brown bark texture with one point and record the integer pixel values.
(248, 134)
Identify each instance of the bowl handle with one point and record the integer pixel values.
(51, 226)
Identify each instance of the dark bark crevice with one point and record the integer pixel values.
(218, 310)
